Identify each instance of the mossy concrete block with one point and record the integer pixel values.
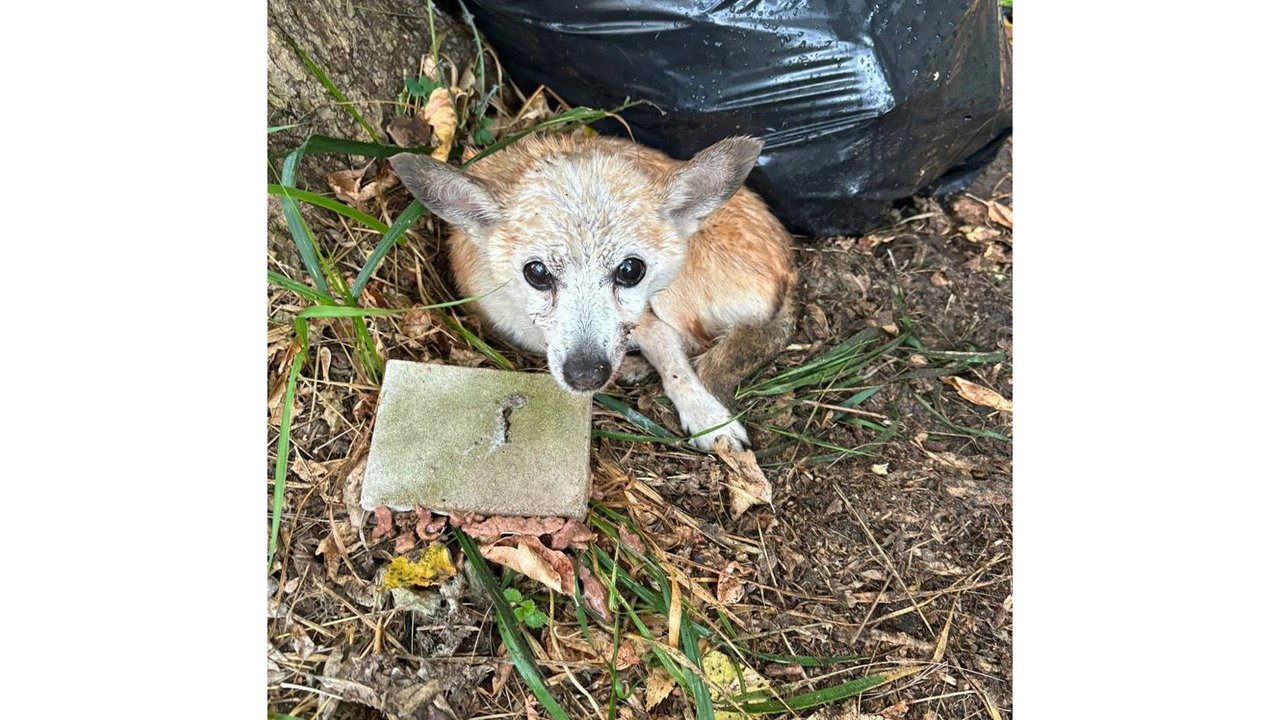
(472, 440)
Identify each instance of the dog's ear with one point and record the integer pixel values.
(461, 200)
(699, 187)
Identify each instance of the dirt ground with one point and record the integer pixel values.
(900, 556)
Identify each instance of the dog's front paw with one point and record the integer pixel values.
(699, 417)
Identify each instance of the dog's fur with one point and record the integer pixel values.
(718, 281)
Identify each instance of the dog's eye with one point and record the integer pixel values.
(537, 275)
(629, 272)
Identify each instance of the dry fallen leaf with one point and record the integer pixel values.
(346, 183)
(747, 484)
(979, 234)
(405, 542)
(880, 468)
(333, 547)
(599, 649)
(370, 681)
(573, 534)
(409, 131)
(495, 527)
(593, 593)
(631, 540)
(418, 323)
(529, 557)
(440, 115)
(351, 487)
(1000, 214)
(657, 688)
(979, 395)
(729, 589)
(349, 185)
(969, 211)
(429, 526)
(385, 525)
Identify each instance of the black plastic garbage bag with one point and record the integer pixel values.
(859, 102)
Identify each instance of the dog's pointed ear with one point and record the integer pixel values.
(699, 187)
(461, 200)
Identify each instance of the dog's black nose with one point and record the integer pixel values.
(587, 371)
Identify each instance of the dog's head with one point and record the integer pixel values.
(589, 237)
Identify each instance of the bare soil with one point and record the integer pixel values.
(871, 555)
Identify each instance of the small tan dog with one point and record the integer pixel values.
(586, 247)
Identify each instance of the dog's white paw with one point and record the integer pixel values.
(705, 413)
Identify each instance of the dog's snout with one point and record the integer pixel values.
(587, 371)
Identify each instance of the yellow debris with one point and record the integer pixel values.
(433, 566)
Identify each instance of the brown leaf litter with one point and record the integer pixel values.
(747, 484)
(978, 394)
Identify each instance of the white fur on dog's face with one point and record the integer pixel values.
(582, 217)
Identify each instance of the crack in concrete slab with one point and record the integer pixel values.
(506, 407)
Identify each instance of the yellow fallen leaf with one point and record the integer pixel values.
(432, 566)
(979, 395)
(440, 115)
(722, 674)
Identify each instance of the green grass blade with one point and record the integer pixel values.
(328, 204)
(333, 89)
(281, 128)
(302, 238)
(509, 628)
(324, 144)
(304, 291)
(634, 416)
(344, 311)
(861, 397)
(398, 228)
(960, 428)
(282, 444)
(480, 345)
(697, 688)
(676, 672)
(632, 437)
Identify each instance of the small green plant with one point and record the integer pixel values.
(525, 610)
(482, 137)
(420, 87)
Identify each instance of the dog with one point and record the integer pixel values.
(587, 247)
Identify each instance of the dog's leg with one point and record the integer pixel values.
(743, 350)
(699, 410)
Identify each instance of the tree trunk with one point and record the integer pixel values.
(366, 49)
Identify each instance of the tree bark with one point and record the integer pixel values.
(366, 49)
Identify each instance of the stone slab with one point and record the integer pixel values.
(474, 440)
